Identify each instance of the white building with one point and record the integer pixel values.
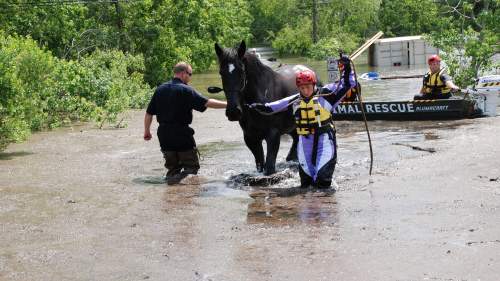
(398, 51)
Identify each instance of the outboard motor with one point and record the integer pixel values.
(486, 92)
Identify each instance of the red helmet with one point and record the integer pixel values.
(433, 58)
(305, 77)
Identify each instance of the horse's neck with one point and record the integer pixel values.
(261, 85)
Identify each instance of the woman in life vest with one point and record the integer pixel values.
(313, 109)
(436, 84)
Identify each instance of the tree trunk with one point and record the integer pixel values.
(315, 21)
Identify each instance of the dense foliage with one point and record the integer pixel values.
(409, 17)
(162, 31)
(40, 91)
(471, 39)
(341, 25)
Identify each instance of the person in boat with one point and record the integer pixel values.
(313, 109)
(436, 84)
(355, 89)
(173, 103)
(254, 51)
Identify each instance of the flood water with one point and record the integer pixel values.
(79, 203)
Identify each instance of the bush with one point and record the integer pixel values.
(39, 91)
(25, 84)
(293, 41)
(326, 47)
(114, 83)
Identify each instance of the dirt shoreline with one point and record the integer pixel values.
(75, 204)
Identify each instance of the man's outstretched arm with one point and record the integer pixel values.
(213, 103)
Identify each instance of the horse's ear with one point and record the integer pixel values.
(218, 50)
(242, 49)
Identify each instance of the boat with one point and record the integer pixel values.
(480, 101)
(445, 109)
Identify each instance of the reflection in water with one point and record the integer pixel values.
(431, 136)
(220, 189)
(149, 180)
(280, 178)
(311, 208)
(11, 155)
(184, 180)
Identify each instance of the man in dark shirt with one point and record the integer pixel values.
(173, 103)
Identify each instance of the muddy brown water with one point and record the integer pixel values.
(80, 203)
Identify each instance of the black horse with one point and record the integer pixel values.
(247, 80)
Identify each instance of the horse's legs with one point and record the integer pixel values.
(255, 146)
(273, 145)
(292, 154)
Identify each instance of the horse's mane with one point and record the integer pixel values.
(228, 54)
(254, 65)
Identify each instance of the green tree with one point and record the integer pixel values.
(295, 41)
(355, 18)
(52, 25)
(409, 17)
(341, 25)
(471, 39)
(168, 31)
(272, 16)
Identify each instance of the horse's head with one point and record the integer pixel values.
(232, 73)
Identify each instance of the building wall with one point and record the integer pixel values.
(394, 52)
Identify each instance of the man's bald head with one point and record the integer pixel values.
(181, 67)
(183, 71)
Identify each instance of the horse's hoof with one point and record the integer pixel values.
(269, 172)
(260, 168)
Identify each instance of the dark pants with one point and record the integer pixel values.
(324, 178)
(185, 162)
(432, 96)
(175, 137)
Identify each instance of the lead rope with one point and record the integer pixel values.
(364, 117)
